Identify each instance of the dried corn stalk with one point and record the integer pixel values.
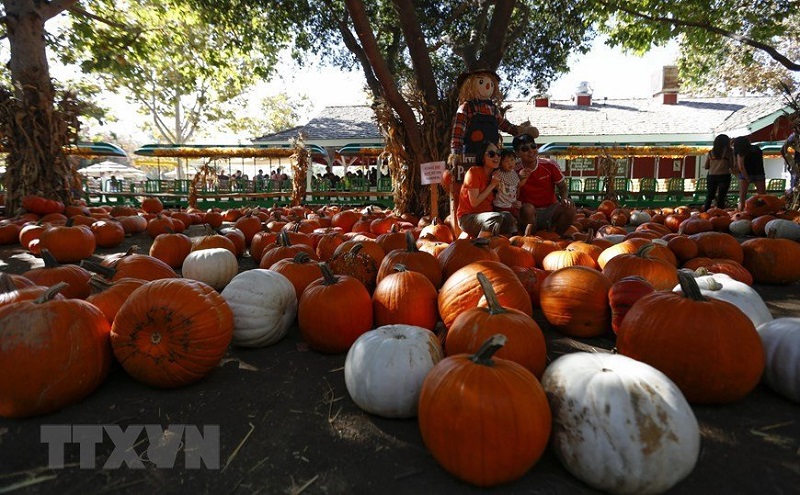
(608, 170)
(300, 160)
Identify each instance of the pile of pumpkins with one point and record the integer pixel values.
(432, 325)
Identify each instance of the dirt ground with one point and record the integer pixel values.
(287, 425)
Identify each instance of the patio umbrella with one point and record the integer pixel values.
(118, 170)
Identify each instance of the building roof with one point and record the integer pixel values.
(632, 120)
(335, 123)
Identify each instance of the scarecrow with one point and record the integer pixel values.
(478, 119)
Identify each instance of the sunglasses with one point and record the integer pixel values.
(525, 148)
(492, 154)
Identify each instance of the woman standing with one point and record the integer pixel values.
(750, 162)
(474, 212)
(720, 166)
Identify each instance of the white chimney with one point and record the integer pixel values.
(665, 84)
(583, 94)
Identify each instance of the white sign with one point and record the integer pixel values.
(431, 172)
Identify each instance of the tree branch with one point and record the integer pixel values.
(351, 43)
(418, 49)
(75, 9)
(498, 30)
(770, 50)
(48, 10)
(362, 26)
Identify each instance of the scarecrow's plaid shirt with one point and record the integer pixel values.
(465, 113)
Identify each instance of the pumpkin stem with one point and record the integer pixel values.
(99, 284)
(50, 293)
(411, 243)
(529, 229)
(487, 350)
(93, 266)
(491, 296)
(6, 283)
(480, 242)
(49, 259)
(644, 251)
(301, 257)
(327, 274)
(689, 286)
(701, 272)
(284, 239)
(399, 267)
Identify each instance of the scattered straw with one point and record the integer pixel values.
(24, 484)
(305, 485)
(236, 450)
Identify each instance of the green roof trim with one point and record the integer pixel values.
(218, 149)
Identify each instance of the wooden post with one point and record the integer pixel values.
(455, 191)
(434, 200)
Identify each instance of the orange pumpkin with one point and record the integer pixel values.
(152, 205)
(171, 248)
(718, 245)
(462, 252)
(462, 291)
(772, 261)
(141, 266)
(567, 257)
(172, 332)
(333, 312)
(413, 259)
(76, 277)
(764, 204)
(575, 301)
(108, 233)
(661, 274)
(623, 294)
(707, 346)
(405, 297)
(212, 239)
(68, 244)
(109, 296)
(56, 358)
(300, 270)
(504, 419)
(526, 345)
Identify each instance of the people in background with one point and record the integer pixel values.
(113, 183)
(720, 165)
(792, 160)
(475, 213)
(540, 205)
(750, 165)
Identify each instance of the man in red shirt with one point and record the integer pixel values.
(540, 205)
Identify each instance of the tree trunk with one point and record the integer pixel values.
(34, 132)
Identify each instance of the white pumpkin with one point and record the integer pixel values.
(741, 295)
(639, 217)
(215, 267)
(264, 305)
(620, 425)
(781, 339)
(741, 227)
(614, 238)
(385, 368)
(782, 229)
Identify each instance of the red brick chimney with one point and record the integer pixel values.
(665, 84)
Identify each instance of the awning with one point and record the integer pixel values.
(625, 150)
(367, 149)
(223, 150)
(770, 148)
(90, 149)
